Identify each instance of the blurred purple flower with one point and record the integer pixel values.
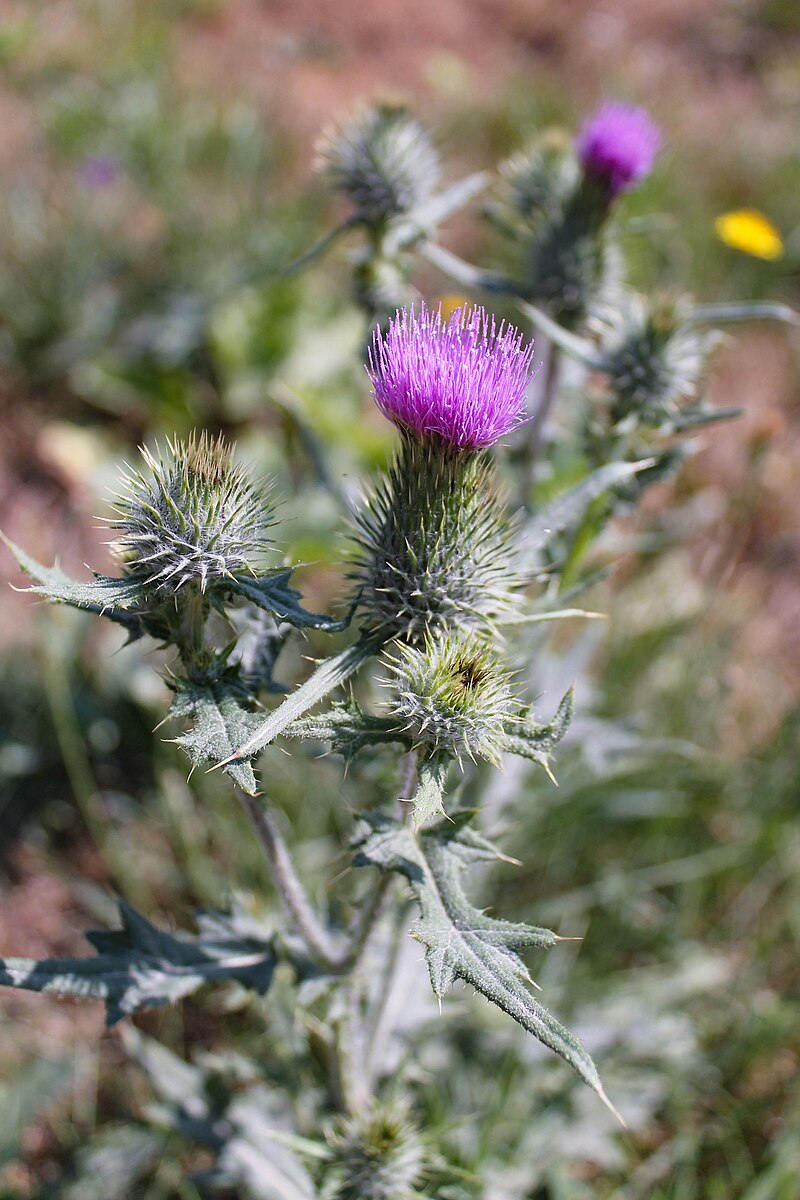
(618, 145)
(462, 379)
(98, 171)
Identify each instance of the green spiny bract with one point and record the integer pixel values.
(539, 180)
(382, 161)
(562, 257)
(435, 546)
(379, 1156)
(452, 697)
(653, 357)
(192, 516)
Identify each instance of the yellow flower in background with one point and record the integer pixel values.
(748, 230)
(450, 301)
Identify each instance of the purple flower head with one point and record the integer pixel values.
(99, 171)
(462, 379)
(618, 146)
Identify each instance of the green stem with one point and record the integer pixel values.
(382, 1019)
(193, 607)
(353, 1040)
(293, 896)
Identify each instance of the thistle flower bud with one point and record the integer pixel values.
(192, 515)
(382, 161)
(540, 179)
(653, 357)
(561, 256)
(435, 545)
(618, 146)
(461, 380)
(452, 696)
(379, 1156)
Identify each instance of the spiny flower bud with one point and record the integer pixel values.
(452, 696)
(192, 515)
(560, 255)
(618, 146)
(462, 380)
(435, 545)
(653, 357)
(382, 160)
(540, 179)
(379, 1156)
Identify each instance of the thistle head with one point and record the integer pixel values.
(379, 1155)
(191, 515)
(452, 696)
(653, 356)
(618, 146)
(560, 253)
(382, 161)
(460, 381)
(435, 545)
(538, 180)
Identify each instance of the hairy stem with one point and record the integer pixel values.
(293, 895)
(354, 1041)
(383, 1018)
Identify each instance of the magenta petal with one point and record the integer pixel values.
(619, 145)
(462, 379)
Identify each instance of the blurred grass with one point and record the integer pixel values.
(149, 304)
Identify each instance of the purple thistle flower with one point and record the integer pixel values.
(462, 380)
(618, 146)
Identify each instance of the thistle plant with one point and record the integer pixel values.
(443, 580)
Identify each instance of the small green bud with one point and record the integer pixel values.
(192, 515)
(382, 161)
(379, 1156)
(452, 696)
(541, 178)
(653, 357)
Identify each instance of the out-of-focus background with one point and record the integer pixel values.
(157, 171)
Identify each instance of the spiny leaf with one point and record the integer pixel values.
(568, 509)
(332, 672)
(348, 729)
(219, 725)
(140, 966)
(536, 742)
(275, 594)
(428, 801)
(104, 595)
(421, 221)
(461, 941)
